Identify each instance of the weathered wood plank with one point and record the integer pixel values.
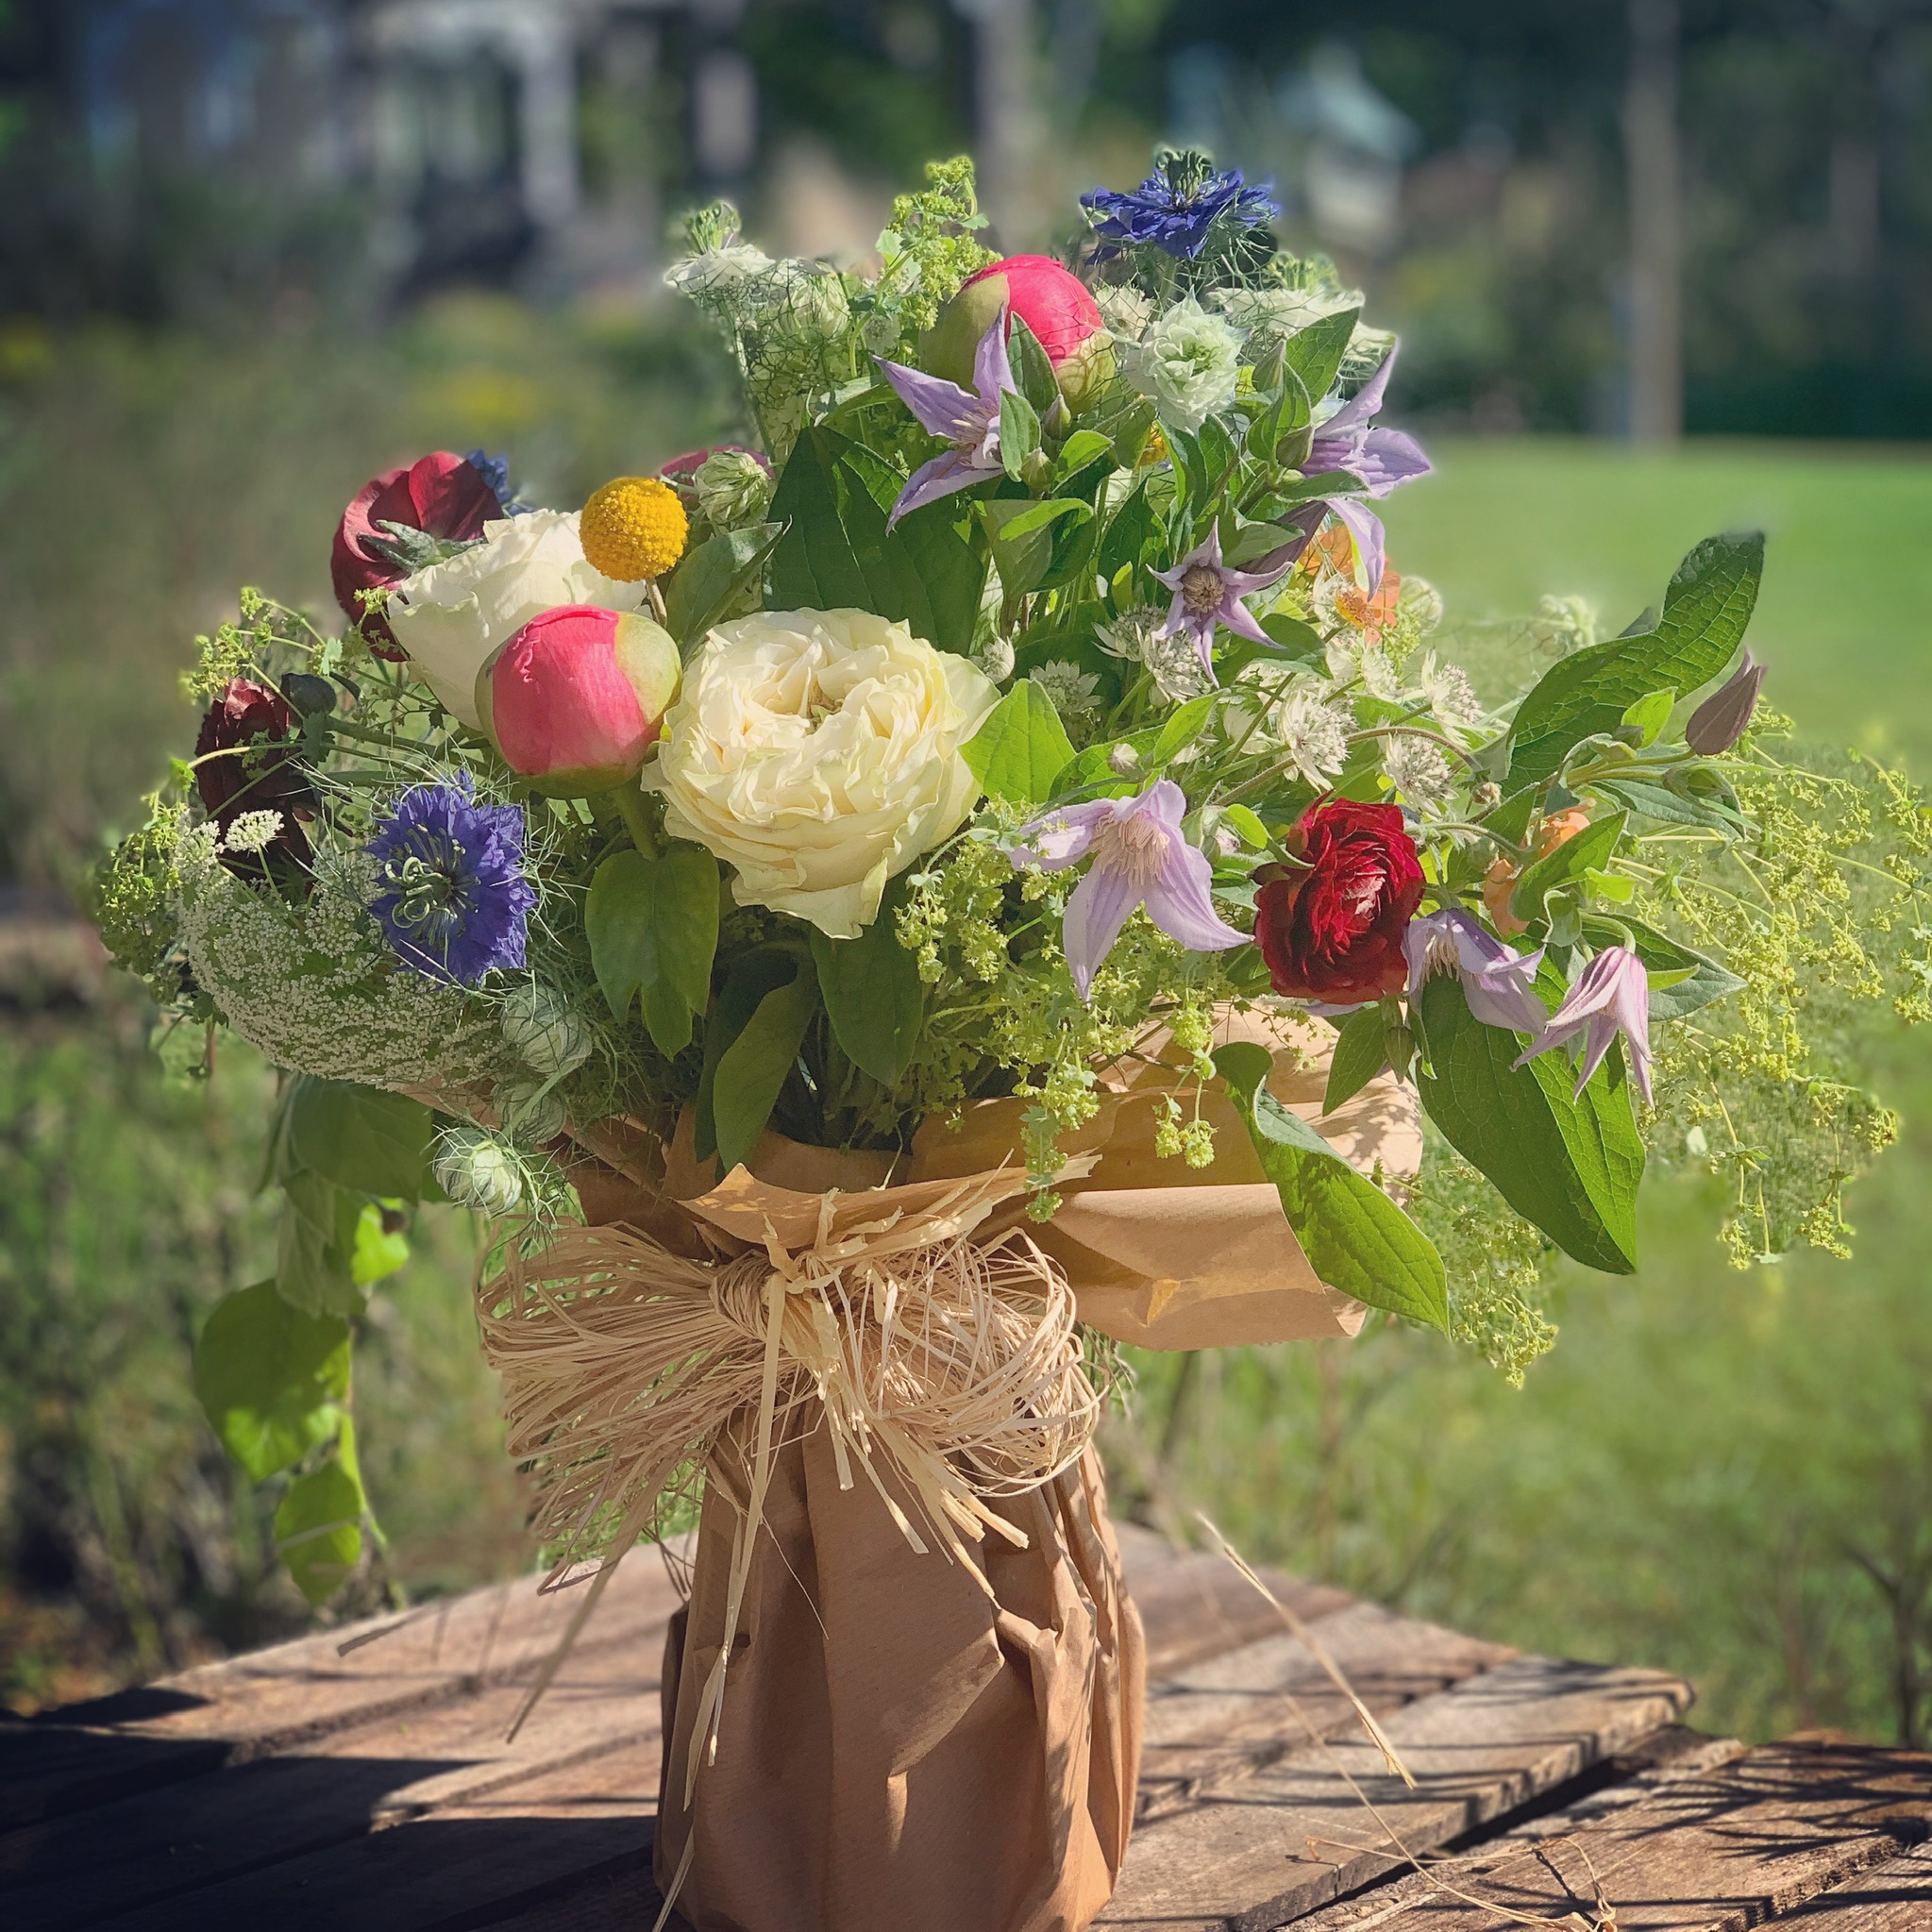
(1223, 1718)
(295, 1693)
(1764, 1838)
(83, 1867)
(1892, 1897)
(1294, 1836)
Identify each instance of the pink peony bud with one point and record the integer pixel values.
(1052, 302)
(577, 696)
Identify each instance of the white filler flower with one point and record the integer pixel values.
(452, 616)
(1190, 363)
(817, 753)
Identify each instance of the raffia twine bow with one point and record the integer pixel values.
(623, 1361)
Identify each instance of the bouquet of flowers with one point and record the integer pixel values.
(1001, 868)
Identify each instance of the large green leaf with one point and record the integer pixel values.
(359, 1137)
(751, 976)
(753, 1068)
(1354, 1237)
(872, 994)
(1315, 354)
(1706, 610)
(712, 575)
(652, 922)
(1361, 1051)
(1569, 1165)
(834, 498)
(315, 1245)
(318, 1529)
(270, 1377)
(1021, 748)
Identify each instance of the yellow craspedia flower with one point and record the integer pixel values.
(634, 528)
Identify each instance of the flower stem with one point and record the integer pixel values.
(628, 802)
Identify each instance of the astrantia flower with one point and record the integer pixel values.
(1294, 721)
(1452, 697)
(1139, 858)
(1499, 983)
(451, 892)
(1141, 637)
(1189, 362)
(1415, 769)
(968, 421)
(1176, 208)
(1612, 997)
(1207, 593)
(1072, 692)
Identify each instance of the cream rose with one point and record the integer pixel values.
(451, 616)
(817, 752)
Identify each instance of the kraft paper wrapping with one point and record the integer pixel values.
(1158, 1253)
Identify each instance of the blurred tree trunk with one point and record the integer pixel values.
(1005, 118)
(1655, 164)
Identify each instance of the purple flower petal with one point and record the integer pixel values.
(942, 407)
(1365, 406)
(1061, 837)
(992, 372)
(1239, 619)
(937, 478)
(1102, 903)
(1180, 903)
(1366, 527)
(1387, 458)
(1612, 997)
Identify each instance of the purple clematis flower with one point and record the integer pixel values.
(1139, 858)
(1348, 440)
(1611, 997)
(1208, 593)
(969, 422)
(1499, 983)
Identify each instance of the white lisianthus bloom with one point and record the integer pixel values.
(1189, 362)
(452, 616)
(817, 753)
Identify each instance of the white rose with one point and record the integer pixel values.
(451, 616)
(817, 752)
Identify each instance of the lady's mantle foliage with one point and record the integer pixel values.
(450, 890)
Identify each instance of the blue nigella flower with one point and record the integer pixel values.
(451, 895)
(1176, 212)
(495, 470)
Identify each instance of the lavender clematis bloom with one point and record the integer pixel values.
(970, 422)
(1499, 983)
(1207, 593)
(1139, 858)
(1349, 442)
(1611, 997)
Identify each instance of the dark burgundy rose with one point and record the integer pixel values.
(1332, 929)
(241, 767)
(445, 495)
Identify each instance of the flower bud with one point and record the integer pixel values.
(577, 696)
(1720, 721)
(1052, 302)
(1123, 759)
(478, 1172)
(544, 1031)
(734, 488)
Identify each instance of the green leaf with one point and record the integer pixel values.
(1648, 716)
(1315, 354)
(872, 994)
(359, 1137)
(376, 1253)
(313, 1264)
(1254, 540)
(1021, 748)
(1706, 610)
(652, 923)
(1019, 432)
(1032, 368)
(1591, 847)
(712, 575)
(1356, 1237)
(1360, 1054)
(1681, 980)
(1025, 518)
(1570, 1167)
(318, 1529)
(1125, 539)
(750, 977)
(269, 1378)
(1183, 724)
(1298, 643)
(834, 498)
(754, 1067)
(1082, 447)
(1245, 825)
(1668, 805)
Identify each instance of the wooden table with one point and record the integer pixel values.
(360, 1780)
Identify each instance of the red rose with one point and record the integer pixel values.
(241, 767)
(1333, 929)
(446, 496)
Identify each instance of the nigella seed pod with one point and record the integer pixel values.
(547, 1032)
(478, 1172)
(531, 1112)
(1720, 721)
